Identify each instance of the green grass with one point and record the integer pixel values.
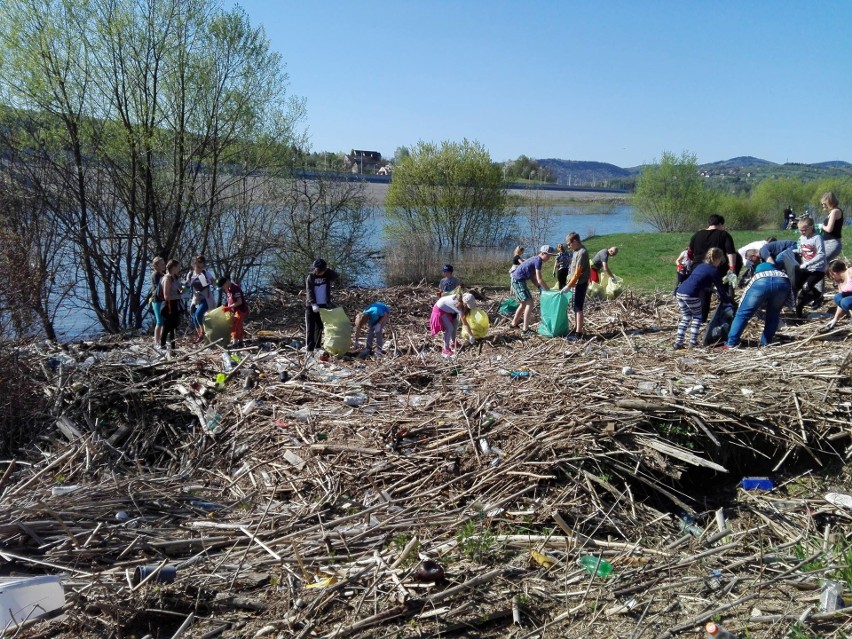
(645, 260)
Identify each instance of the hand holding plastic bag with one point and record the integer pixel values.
(730, 279)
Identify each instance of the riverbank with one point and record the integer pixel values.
(297, 497)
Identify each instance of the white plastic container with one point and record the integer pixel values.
(26, 598)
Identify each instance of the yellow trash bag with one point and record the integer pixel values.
(614, 288)
(217, 326)
(595, 291)
(456, 291)
(337, 331)
(478, 320)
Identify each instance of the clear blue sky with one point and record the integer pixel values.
(617, 82)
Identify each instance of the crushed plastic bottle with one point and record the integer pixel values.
(519, 374)
(227, 364)
(688, 525)
(595, 565)
(716, 631)
(214, 422)
(830, 596)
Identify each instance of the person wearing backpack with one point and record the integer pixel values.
(198, 280)
(155, 298)
(237, 306)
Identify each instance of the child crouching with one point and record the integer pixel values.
(688, 294)
(373, 320)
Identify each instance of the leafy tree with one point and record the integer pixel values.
(322, 217)
(841, 187)
(671, 196)
(149, 113)
(449, 193)
(770, 197)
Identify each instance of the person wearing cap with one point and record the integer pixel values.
(448, 282)
(600, 262)
(446, 311)
(318, 288)
(530, 269)
(237, 306)
(578, 282)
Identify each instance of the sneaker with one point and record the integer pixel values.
(446, 352)
(677, 347)
(528, 331)
(727, 347)
(576, 337)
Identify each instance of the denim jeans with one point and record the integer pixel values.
(844, 301)
(767, 292)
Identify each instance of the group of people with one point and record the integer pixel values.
(771, 273)
(165, 297)
(774, 273)
(574, 271)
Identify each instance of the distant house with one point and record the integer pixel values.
(363, 161)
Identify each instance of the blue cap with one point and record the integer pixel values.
(448, 268)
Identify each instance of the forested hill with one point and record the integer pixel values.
(574, 173)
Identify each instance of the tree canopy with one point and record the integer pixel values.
(671, 195)
(450, 193)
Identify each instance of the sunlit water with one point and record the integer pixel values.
(588, 219)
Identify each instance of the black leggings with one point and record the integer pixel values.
(171, 320)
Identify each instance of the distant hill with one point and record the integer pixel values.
(574, 172)
(834, 164)
(746, 168)
(739, 163)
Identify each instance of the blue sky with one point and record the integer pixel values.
(609, 81)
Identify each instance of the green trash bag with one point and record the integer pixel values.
(337, 331)
(479, 325)
(508, 307)
(554, 314)
(217, 326)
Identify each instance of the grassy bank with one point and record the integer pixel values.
(644, 260)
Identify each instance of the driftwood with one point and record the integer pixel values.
(304, 507)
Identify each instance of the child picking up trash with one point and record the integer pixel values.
(444, 314)
(703, 276)
(373, 320)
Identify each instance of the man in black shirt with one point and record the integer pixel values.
(714, 235)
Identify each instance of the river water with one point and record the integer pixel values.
(586, 219)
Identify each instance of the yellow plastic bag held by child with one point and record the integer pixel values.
(337, 330)
(217, 326)
(478, 320)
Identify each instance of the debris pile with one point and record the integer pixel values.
(261, 493)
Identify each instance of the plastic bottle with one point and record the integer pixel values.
(688, 525)
(715, 631)
(214, 424)
(830, 596)
(595, 565)
(519, 374)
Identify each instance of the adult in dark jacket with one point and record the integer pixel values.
(714, 236)
(318, 289)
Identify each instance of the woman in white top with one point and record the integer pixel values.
(198, 281)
